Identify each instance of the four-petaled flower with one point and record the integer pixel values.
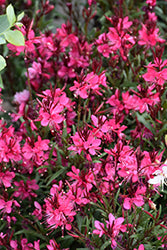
(160, 177)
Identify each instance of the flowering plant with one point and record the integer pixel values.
(83, 136)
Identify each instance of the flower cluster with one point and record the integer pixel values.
(83, 148)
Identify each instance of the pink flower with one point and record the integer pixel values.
(2, 238)
(6, 207)
(151, 2)
(6, 178)
(9, 145)
(28, 246)
(38, 211)
(25, 190)
(54, 246)
(141, 247)
(53, 106)
(82, 179)
(65, 72)
(136, 200)
(59, 209)
(92, 144)
(83, 143)
(116, 39)
(113, 227)
(90, 2)
(78, 142)
(100, 228)
(36, 150)
(90, 83)
(148, 35)
(22, 97)
(13, 244)
(156, 72)
(2, 2)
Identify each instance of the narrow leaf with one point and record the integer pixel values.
(142, 120)
(55, 175)
(106, 244)
(31, 232)
(1, 83)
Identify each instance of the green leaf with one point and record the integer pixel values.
(141, 119)
(1, 83)
(83, 248)
(106, 244)
(64, 129)
(20, 16)
(15, 37)
(4, 23)
(55, 175)
(2, 40)
(10, 14)
(2, 63)
(31, 232)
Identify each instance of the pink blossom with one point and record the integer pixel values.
(6, 207)
(38, 211)
(64, 72)
(28, 246)
(116, 39)
(149, 35)
(88, 144)
(22, 97)
(92, 144)
(13, 244)
(90, 2)
(141, 247)
(151, 2)
(82, 179)
(90, 83)
(54, 246)
(2, 2)
(6, 178)
(53, 106)
(79, 144)
(9, 145)
(79, 55)
(2, 238)
(136, 200)
(115, 102)
(25, 190)
(36, 150)
(100, 228)
(59, 209)
(113, 227)
(156, 72)
(103, 45)
(69, 40)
